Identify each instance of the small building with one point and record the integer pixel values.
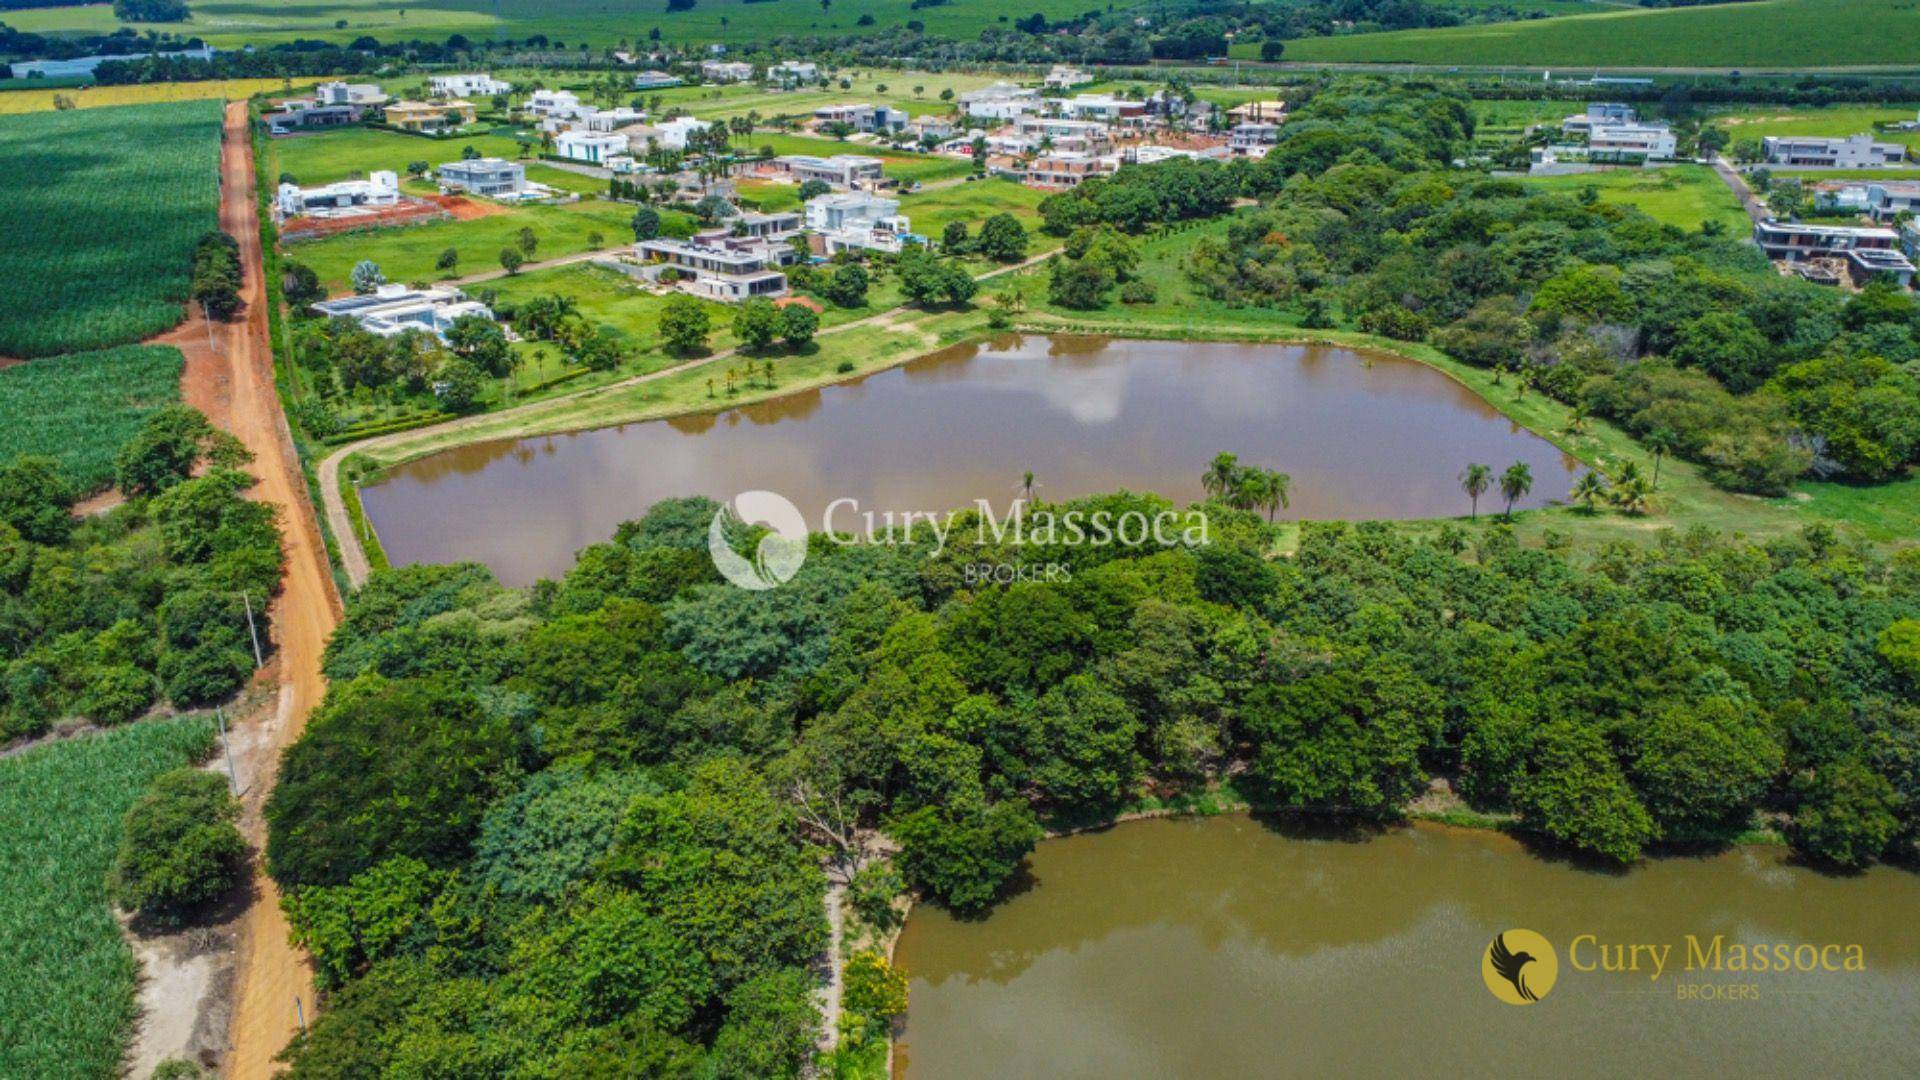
(726, 71)
(1631, 143)
(840, 170)
(1102, 107)
(1058, 172)
(719, 271)
(933, 128)
(1252, 139)
(377, 190)
(489, 176)
(858, 221)
(1259, 112)
(393, 310)
(873, 119)
(1598, 113)
(592, 147)
(1001, 101)
(346, 93)
(655, 80)
(1853, 152)
(793, 73)
(1065, 77)
(430, 116)
(460, 86)
(306, 115)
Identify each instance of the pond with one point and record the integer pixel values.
(1236, 946)
(1362, 435)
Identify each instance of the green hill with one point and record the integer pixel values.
(1771, 33)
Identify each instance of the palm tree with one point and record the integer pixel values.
(1628, 473)
(1475, 481)
(1027, 485)
(1589, 489)
(1660, 441)
(1222, 475)
(1632, 495)
(1273, 491)
(1249, 490)
(1515, 483)
(1577, 423)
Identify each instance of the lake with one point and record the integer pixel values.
(1363, 436)
(1236, 946)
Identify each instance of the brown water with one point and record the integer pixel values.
(1363, 436)
(1224, 948)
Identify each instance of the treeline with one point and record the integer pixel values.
(584, 823)
(215, 283)
(29, 46)
(103, 616)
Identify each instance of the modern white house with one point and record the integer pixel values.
(840, 170)
(377, 190)
(1868, 252)
(611, 119)
(793, 73)
(1853, 152)
(1063, 77)
(489, 176)
(726, 71)
(880, 119)
(345, 93)
(857, 220)
(936, 128)
(1631, 142)
(393, 309)
(1001, 101)
(1102, 107)
(1597, 114)
(655, 80)
(561, 103)
(1252, 140)
(592, 147)
(477, 85)
(720, 271)
(675, 133)
(1881, 200)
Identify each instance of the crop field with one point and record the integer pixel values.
(13, 100)
(100, 220)
(409, 253)
(1682, 195)
(1798, 33)
(80, 408)
(227, 23)
(66, 977)
(905, 168)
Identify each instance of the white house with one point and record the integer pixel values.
(859, 221)
(726, 71)
(1644, 142)
(561, 103)
(1102, 107)
(1598, 113)
(378, 189)
(1001, 101)
(861, 116)
(1062, 77)
(461, 86)
(489, 176)
(675, 133)
(1853, 152)
(345, 93)
(393, 309)
(793, 73)
(722, 270)
(841, 170)
(1252, 140)
(592, 147)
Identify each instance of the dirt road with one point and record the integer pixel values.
(230, 377)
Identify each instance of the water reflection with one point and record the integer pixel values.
(1363, 436)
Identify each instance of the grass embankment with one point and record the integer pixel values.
(1788, 33)
(67, 979)
(1686, 196)
(82, 407)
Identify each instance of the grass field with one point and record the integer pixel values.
(974, 203)
(100, 218)
(409, 253)
(235, 22)
(93, 97)
(1683, 195)
(327, 156)
(906, 168)
(66, 977)
(82, 407)
(1799, 33)
(1834, 121)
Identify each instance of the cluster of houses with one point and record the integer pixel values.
(337, 103)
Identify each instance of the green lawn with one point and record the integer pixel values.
(327, 156)
(904, 167)
(973, 203)
(66, 977)
(1801, 33)
(610, 298)
(1683, 195)
(409, 253)
(1835, 121)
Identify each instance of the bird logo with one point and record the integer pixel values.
(1519, 967)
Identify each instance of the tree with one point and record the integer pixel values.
(1348, 738)
(34, 498)
(1845, 816)
(873, 986)
(848, 286)
(526, 241)
(1222, 475)
(963, 857)
(646, 224)
(1515, 483)
(1572, 790)
(460, 385)
(448, 261)
(1272, 49)
(953, 239)
(1589, 490)
(756, 323)
(1002, 239)
(1660, 441)
(798, 324)
(180, 851)
(170, 442)
(366, 277)
(481, 341)
(684, 324)
(929, 280)
(511, 260)
(813, 189)
(417, 169)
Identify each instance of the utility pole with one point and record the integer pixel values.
(299, 1014)
(233, 778)
(252, 632)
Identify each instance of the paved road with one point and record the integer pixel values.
(1756, 210)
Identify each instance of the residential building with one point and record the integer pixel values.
(1058, 172)
(430, 116)
(1176, 109)
(307, 116)
(1064, 77)
(378, 189)
(1001, 101)
(1631, 142)
(468, 86)
(1853, 152)
(1252, 139)
(935, 128)
(1598, 113)
(561, 103)
(793, 73)
(1259, 112)
(756, 226)
(345, 93)
(876, 119)
(840, 170)
(726, 71)
(721, 271)
(858, 220)
(1102, 107)
(1867, 252)
(604, 120)
(592, 147)
(1059, 135)
(655, 80)
(489, 176)
(392, 310)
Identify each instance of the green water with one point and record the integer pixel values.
(1237, 947)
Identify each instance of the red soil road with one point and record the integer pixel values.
(229, 376)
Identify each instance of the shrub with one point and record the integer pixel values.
(117, 694)
(182, 851)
